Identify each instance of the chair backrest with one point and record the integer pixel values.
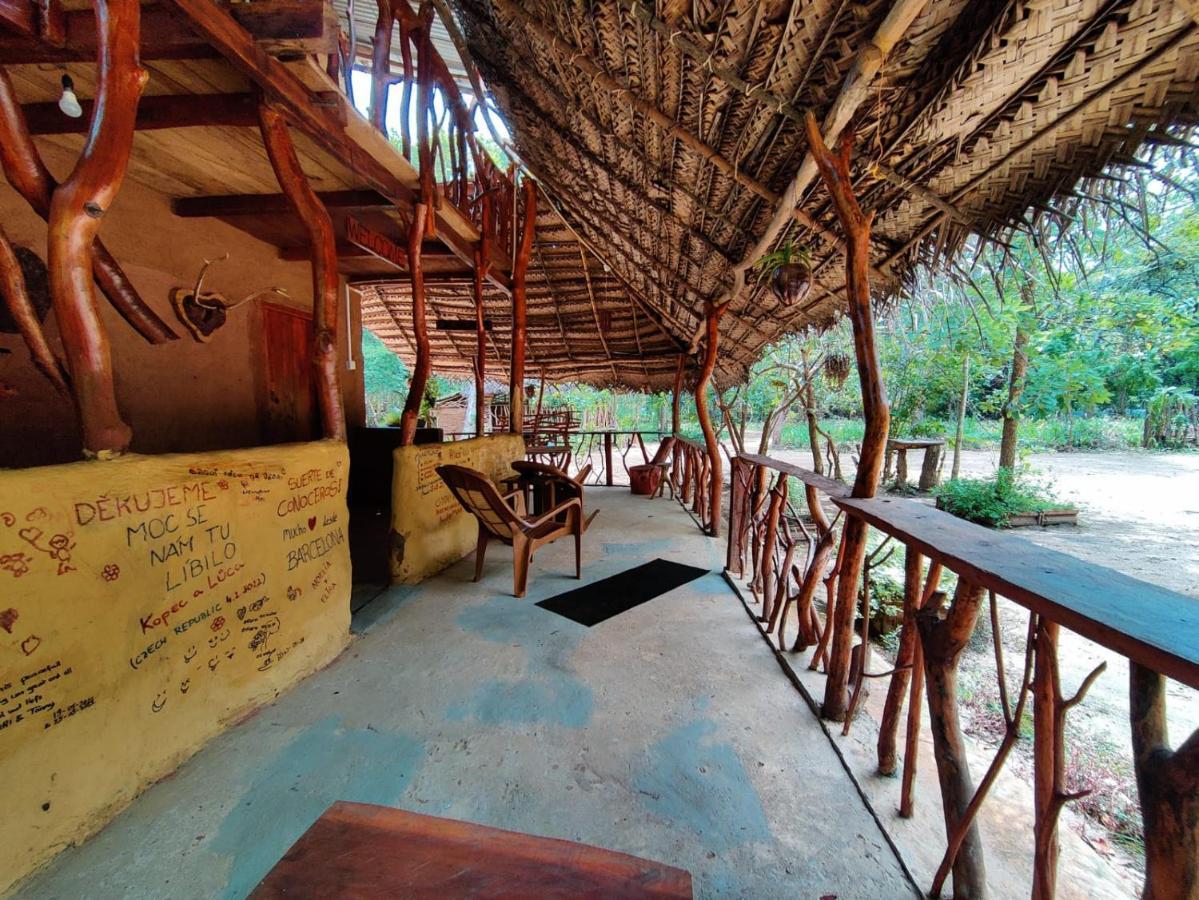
(480, 498)
(663, 452)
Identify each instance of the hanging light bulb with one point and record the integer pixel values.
(68, 102)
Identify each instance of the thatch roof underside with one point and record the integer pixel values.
(993, 107)
(583, 323)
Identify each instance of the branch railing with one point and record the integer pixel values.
(780, 552)
(690, 479)
(442, 129)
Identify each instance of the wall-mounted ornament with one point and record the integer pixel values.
(203, 312)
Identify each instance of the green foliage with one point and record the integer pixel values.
(993, 501)
(787, 253)
(386, 380)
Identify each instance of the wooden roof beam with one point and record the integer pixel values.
(298, 26)
(221, 205)
(153, 113)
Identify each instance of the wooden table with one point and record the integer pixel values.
(358, 850)
(932, 448)
(557, 455)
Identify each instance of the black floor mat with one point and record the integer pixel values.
(597, 602)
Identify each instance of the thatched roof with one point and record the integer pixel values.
(584, 323)
(665, 132)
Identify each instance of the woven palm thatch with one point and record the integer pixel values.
(665, 133)
(584, 324)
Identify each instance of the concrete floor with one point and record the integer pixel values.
(667, 732)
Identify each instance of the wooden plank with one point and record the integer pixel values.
(830, 486)
(375, 243)
(1149, 624)
(362, 850)
(294, 26)
(153, 113)
(261, 204)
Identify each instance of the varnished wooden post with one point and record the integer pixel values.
(888, 732)
(76, 209)
(1049, 759)
(943, 639)
(520, 268)
(420, 328)
(911, 741)
(1168, 784)
(381, 65)
(28, 175)
(481, 264)
(712, 315)
(323, 246)
(677, 394)
(608, 457)
(15, 294)
(834, 171)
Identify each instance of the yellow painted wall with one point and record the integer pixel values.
(429, 529)
(146, 603)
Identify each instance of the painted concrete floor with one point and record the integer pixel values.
(667, 732)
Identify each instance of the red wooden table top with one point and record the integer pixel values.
(358, 850)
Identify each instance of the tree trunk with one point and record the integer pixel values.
(1016, 381)
(942, 641)
(676, 395)
(957, 438)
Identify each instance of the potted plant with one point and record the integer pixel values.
(789, 269)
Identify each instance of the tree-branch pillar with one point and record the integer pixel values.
(520, 270)
(834, 171)
(76, 209)
(323, 253)
(712, 315)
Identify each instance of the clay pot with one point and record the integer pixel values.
(791, 282)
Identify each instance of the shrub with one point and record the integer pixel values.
(993, 501)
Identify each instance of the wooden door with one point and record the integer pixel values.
(291, 405)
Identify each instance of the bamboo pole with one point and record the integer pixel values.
(76, 209)
(520, 269)
(834, 170)
(323, 248)
(28, 175)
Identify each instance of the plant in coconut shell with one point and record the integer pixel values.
(789, 269)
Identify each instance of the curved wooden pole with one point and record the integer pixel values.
(76, 208)
(834, 171)
(16, 300)
(1168, 785)
(712, 314)
(420, 327)
(481, 266)
(32, 180)
(677, 394)
(520, 270)
(312, 213)
(381, 65)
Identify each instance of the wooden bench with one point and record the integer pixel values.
(929, 469)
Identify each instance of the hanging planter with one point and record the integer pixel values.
(836, 367)
(789, 270)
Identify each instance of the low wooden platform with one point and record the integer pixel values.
(1147, 623)
(364, 851)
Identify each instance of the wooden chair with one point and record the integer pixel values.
(660, 463)
(501, 521)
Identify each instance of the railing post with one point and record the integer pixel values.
(943, 640)
(888, 732)
(608, 456)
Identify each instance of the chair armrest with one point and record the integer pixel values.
(561, 507)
